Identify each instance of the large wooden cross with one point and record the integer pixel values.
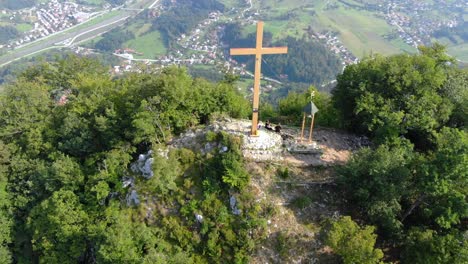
(258, 51)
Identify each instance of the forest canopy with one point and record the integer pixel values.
(87, 176)
(413, 184)
(68, 135)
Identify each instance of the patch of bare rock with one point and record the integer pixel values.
(328, 146)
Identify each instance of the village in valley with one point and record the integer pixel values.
(47, 18)
(413, 23)
(234, 131)
(203, 44)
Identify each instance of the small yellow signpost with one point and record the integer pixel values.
(258, 51)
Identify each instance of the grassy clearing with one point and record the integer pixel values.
(399, 43)
(94, 2)
(150, 44)
(459, 51)
(23, 27)
(362, 32)
(230, 3)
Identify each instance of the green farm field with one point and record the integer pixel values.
(150, 44)
(460, 52)
(362, 32)
(23, 27)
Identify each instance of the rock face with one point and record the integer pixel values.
(132, 198)
(233, 203)
(265, 147)
(128, 182)
(329, 146)
(143, 165)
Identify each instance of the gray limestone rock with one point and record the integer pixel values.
(233, 203)
(128, 181)
(132, 198)
(143, 165)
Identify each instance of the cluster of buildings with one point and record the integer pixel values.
(48, 18)
(414, 21)
(334, 44)
(200, 46)
(202, 39)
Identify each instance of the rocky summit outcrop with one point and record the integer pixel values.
(267, 146)
(329, 146)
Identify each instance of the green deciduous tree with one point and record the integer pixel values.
(6, 218)
(428, 247)
(68, 134)
(377, 180)
(292, 108)
(118, 238)
(166, 170)
(58, 228)
(353, 243)
(396, 95)
(455, 89)
(442, 180)
(392, 183)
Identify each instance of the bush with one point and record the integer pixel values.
(302, 202)
(353, 243)
(283, 173)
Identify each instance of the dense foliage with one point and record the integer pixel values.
(68, 136)
(8, 33)
(306, 61)
(291, 108)
(413, 184)
(114, 39)
(353, 243)
(407, 95)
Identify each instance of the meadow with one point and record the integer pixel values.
(459, 51)
(361, 31)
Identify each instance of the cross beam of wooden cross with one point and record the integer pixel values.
(258, 51)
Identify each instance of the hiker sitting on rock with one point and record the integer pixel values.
(268, 125)
(278, 128)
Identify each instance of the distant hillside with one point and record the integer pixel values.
(16, 4)
(184, 16)
(307, 61)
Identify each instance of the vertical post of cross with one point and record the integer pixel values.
(258, 51)
(258, 70)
